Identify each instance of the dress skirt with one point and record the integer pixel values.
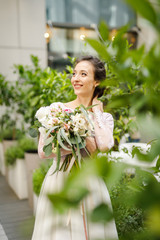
(50, 225)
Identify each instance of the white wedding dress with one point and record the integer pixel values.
(49, 225)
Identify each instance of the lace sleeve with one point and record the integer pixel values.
(103, 123)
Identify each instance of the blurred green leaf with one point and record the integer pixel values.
(144, 8)
(104, 31)
(64, 200)
(101, 213)
(100, 48)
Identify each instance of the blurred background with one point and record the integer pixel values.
(54, 30)
(39, 39)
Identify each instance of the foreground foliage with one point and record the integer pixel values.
(133, 89)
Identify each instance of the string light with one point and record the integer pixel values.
(82, 37)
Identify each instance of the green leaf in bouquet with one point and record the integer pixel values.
(65, 136)
(86, 114)
(78, 150)
(48, 149)
(50, 130)
(74, 153)
(33, 132)
(48, 140)
(58, 155)
(73, 140)
(60, 141)
(78, 138)
(87, 108)
(82, 144)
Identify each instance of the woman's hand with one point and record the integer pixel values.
(99, 104)
(91, 144)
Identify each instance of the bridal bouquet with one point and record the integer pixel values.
(63, 128)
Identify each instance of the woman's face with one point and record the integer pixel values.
(83, 80)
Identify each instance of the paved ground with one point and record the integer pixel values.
(16, 218)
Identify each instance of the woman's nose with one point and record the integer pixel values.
(76, 76)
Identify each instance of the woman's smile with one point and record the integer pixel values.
(77, 85)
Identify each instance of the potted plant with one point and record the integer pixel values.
(10, 135)
(32, 161)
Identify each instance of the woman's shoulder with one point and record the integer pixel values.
(108, 116)
(67, 105)
(56, 104)
(104, 115)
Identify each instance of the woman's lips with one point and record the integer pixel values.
(77, 86)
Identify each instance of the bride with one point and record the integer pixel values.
(88, 72)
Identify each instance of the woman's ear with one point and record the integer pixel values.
(97, 83)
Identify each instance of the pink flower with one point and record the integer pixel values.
(67, 110)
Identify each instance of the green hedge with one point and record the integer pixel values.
(12, 153)
(39, 175)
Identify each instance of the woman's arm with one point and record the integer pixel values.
(41, 153)
(103, 125)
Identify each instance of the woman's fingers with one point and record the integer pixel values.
(91, 144)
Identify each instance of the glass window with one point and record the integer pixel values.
(68, 41)
(115, 12)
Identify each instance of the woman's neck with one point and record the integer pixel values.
(84, 101)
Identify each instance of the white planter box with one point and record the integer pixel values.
(2, 160)
(17, 178)
(32, 162)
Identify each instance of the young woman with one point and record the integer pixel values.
(88, 73)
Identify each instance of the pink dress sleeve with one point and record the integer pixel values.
(103, 124)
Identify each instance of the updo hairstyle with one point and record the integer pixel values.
(99, 72)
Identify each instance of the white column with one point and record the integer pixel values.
(22, 27)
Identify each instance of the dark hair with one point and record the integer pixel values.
(99, 72)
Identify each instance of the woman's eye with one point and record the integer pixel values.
(84, 74)
(74, 74)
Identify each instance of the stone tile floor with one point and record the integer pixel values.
(16, 217)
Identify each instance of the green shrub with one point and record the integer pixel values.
(27, 144)
(12, 153)
(129, 218)
(6, 91)
(11, 134)
(37, 87)
(39, 175)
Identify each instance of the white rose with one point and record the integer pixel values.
(81, 121)
(46, 122)
(42, 113)
(75, 129)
